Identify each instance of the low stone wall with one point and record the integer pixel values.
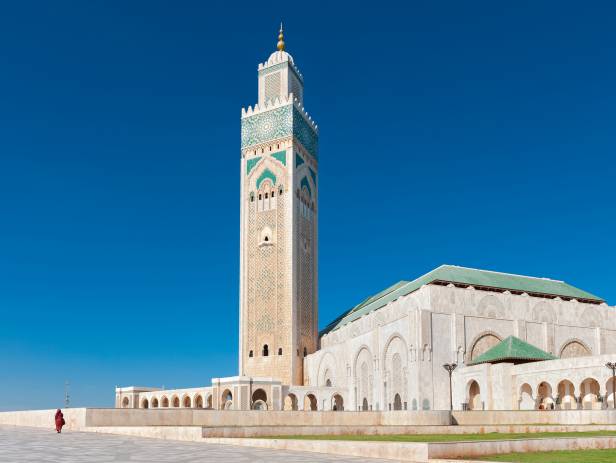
(423, 452)
(399, 451)
(215, 418)
(516, 417)
(403, 421)
(75, 418)
(483, 448)
(269, 431)
(180, 433)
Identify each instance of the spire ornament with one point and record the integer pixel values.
(280, 45)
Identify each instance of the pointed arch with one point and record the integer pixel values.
(574, 347)
(395, 363)
(265, 175)
(326, 370)
(482, 343)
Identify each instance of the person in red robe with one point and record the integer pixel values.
(59, 420)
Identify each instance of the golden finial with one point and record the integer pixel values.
(281, 39)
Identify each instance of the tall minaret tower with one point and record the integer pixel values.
(278, 232)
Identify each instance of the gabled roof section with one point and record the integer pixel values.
(513, 350)
(463, 276)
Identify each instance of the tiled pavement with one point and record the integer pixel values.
(19, 444)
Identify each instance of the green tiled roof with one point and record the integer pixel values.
(466, 276)
(512, 350)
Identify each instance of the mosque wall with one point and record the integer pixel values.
(442, 324)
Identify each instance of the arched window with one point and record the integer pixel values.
(273, 193)
(280, 351)
(305, 352)
(259, 196)
(265, 351)
(252, 197)
(266, 238)
(280, 191)
(266, 195)
(250, 354)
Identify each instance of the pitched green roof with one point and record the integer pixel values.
(512, 350)
(467, 276)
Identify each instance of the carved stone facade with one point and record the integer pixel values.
(278, 243)
(392, 357)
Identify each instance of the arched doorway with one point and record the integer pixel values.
(589, 392)
(226, 400)
(125, 402)
(474, 396)
(364, 405)
(290, 402)
(337, 403)
(526, 401)
(175, 401)
(259, 400)
(310, 402)
(545, 401)
(566, 395)
(144, 403)
(154, 402)
(199, 401)
(164, 402)
(209, 401)
(397, 402)
(186, 403)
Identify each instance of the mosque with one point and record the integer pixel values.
(455, 337)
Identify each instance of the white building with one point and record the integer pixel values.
(388, 352)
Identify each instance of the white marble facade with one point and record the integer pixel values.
(442, 324)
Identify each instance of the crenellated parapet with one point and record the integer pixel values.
(277, 119)
(277, 103)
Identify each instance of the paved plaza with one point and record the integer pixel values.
(20, 444)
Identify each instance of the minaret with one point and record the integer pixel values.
(278, 230)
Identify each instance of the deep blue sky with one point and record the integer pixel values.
(468, 133)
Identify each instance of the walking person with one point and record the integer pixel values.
(59, 420)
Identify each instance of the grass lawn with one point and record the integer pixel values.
(572, 456)
(452, 437)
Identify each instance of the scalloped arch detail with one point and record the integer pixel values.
(266, 174)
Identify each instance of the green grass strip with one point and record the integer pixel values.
(448, 437)
(565, 456)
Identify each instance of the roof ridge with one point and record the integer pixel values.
(504, 273)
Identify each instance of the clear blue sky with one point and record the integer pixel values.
(467, 133)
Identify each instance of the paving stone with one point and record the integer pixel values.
(21, 444)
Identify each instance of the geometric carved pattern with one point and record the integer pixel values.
(267, 126)
(272, 86)
(279, 123)
(574, 349)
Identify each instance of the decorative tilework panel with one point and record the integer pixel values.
(305, 134)
(250, 163)
(265, 175)
(298, 160)
(305, 183)
(267, 126)
(278, 123)
(281, 156)
(313, 174)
